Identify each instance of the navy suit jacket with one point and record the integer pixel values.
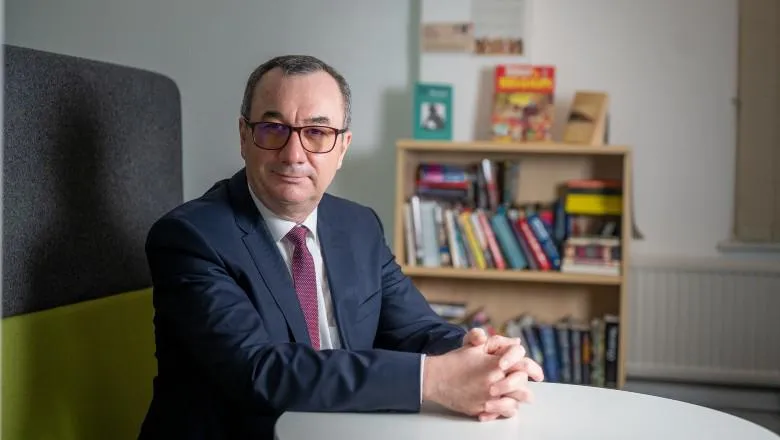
(232, 348)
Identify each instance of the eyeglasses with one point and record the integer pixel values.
(274, 136)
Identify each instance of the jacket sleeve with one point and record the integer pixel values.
(407, 322)
(200, 308)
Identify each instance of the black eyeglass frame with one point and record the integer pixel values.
(291, 129)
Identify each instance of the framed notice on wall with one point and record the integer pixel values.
(447, 37)
(499, 26)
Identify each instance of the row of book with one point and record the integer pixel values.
(438, 235)
(569, 350)
(490, 184)
(572, 351)
(463, 216)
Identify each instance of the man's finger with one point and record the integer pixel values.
(490, 416)
(514, 354)
(512, 383)
(533, 369)
(504, 406)
(530, 367)
(496, 343)
(524, 395)
(476, 336)
(515, 386)
(487, 417)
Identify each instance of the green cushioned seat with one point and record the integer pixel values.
(79, 372)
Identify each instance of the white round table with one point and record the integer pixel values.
(559, 412)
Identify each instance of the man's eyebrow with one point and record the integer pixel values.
(271, 114)
(317, 120)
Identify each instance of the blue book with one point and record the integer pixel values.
(510, 248)
(535, 347)
(545, 240)
(551, 365)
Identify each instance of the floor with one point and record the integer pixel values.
(759, 405)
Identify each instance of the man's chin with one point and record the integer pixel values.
(293, 196)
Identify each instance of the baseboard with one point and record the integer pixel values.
(712, 396)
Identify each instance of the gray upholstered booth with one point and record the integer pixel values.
(92, 157)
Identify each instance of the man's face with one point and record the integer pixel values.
(291, 179)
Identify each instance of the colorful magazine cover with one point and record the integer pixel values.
(523, 103)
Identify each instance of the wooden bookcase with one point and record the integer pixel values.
(506, 293)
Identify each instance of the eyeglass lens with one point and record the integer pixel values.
(273, 136)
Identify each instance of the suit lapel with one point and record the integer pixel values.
(339, 265)
(267, 258)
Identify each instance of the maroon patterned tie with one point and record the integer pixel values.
(305, 282)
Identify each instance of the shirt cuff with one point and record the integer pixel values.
(422, 366)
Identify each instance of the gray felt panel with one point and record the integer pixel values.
(92, 157)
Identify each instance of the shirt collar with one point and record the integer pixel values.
(278, 226)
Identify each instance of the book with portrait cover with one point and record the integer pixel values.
(433, 111)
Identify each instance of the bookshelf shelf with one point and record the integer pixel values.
(512, 275)
(546, 148)
(541, 172)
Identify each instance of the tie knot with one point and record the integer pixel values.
(297, 235)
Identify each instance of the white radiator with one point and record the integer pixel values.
(705, 320)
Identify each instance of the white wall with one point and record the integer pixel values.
(209, 48)
(669, 65)
(670, 68)
(471, 75)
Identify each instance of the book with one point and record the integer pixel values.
(433, 111)
(523, 104)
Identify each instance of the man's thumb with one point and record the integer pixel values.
(476, 336)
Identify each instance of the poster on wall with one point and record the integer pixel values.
(499, 26)
(447, 37)
(433, 111)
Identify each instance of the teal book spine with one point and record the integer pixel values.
(432, 111)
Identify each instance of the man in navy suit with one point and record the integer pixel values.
(271, 295)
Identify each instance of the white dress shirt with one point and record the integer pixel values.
(279, 227)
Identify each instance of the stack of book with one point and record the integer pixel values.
(593, 209)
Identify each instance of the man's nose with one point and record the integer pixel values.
(293, 152)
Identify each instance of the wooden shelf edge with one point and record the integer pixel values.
(512, 275)
(504, 147)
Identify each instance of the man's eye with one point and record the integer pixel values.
(272, 127)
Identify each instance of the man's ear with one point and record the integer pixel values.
(346, 140)
(242, 135)
(241, 131)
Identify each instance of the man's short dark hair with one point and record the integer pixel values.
(296, 65)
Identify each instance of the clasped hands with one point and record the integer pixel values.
(509, 391)
(486, 378)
